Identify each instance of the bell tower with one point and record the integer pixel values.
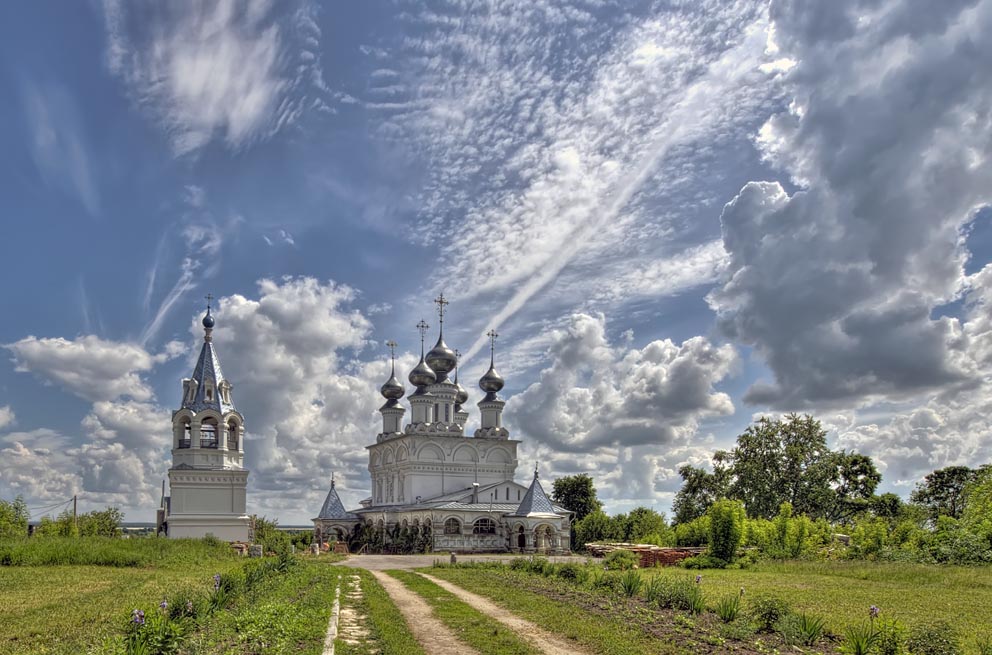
(207, 480)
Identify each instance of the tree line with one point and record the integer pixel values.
(794, 495)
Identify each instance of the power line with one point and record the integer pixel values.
(32, 510)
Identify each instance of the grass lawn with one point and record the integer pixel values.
(68, 608)
(842, 591)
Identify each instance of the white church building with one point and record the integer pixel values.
(207, 480)
(431, 478)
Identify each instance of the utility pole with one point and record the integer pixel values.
(75, 523)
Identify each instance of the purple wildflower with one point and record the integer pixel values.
(164, 604)
(216, 581)
(873, 612)
(189, 606)
(138, 617)
(699, 578)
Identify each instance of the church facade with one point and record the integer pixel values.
(207, 480)
(428, 476)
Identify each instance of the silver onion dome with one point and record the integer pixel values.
(392, 389)
(442, 359)
(461, 395)
(422, 374)
(491, 382)
(208, 320)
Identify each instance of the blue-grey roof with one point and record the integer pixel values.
(208, 369)
(535, 502)
(333, 508)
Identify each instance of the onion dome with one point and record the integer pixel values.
(392, 389)
(461, 395)
(491, 383)
(208, 320)
(442, 359)
(422, 374)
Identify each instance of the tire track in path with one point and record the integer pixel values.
(434, 636)
(547, 642)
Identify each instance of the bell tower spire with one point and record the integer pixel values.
(207, 479)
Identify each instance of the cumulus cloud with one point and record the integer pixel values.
(309, 404)
(238, 71)
(838, 283)
(627, 414)
(34, 464)
(88, 366)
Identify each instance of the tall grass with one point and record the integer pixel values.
(108, 551)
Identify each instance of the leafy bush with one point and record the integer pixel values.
(621, 560)
(568, 571)
(726, 528)
(693, 533)
(631, 583)
(767, 611)
(737, 630)
(729, 607)
(703, 562)
(654, 589)
(608, 581)
(859, 639)
(938, 638)
(679, 593)
(890, 637)
(801, 629)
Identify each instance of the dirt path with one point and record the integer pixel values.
(547, 642)
(433, 635)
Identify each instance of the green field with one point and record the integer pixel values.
(842, 591)
(70, 608)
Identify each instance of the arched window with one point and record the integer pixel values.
(208, 433)
(185, 442)
(484, 526)
(232, 435)
(452, 526)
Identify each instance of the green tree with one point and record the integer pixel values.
(106, 523)
(576, 493)
(786, 460)
(727, 518)
(644, 522)
(595, 526)
(700, 489)
(13, 518)
(942, 492)
(855, 479)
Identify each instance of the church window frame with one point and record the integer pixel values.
(484, 525)
(452, 526)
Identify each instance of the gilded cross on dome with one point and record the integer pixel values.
(422, 326)
(441, 303)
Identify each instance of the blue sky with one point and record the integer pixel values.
(679, 215)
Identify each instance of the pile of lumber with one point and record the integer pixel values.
(650, 554)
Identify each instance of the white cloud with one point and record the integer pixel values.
(227, 69)
(7, 417)
(310, 407)
(838, 285)
(571, 129)
(629, 415)
(90, 367)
